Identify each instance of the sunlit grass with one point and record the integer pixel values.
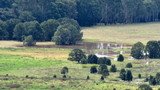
(128, 34)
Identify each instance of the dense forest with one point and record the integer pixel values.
(42, 18)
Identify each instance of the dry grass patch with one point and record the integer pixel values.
(128, 34)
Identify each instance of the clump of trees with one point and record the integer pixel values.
(80, 56)
(154, 80)
(126, 75)
(14, 13)
(102, 69)
(152, 50)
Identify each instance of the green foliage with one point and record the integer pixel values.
(3, 31)
(102, 69)
(64, 70)
(139, 76)
(104, 60)
(26, 16)
(102, 78)
(157, 78)
(87, 78)
(144, 87)
(76, 55)
(122, 74)
(153, 47)
(28, 28)
(129, 65)
(84, 61)
(67, 34)
(120, 58)
(49, 28)
(92, 59)
(137, 50)
(113, 68)
(129, 75)
(29, 41)
(93, 69)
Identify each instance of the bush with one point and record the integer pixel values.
(102, 78)
(54, 76)
(129, 65)
(158, 78)
(83, 61)
(92, 59)
(104, 60)
(144, 87)
(139, 76)
(28, 41)
(136, 51)
(120, 58)
(122, 74)
(113, 68)
(153, 47)
(76, 55)
(129, 76)
(93, 69)
(64, 70)
(102, 69)
(87, 78)
(105, 73)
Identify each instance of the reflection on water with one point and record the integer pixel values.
(101, 49)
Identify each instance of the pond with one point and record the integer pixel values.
(101, 49)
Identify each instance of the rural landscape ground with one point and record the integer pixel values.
(33, 68)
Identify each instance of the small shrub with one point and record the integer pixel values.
(27, 76)
(64, 70)
(139, 76)
(113, 68)
(6, 75)
(129, 65)
(54, 76)
(93, 69)
(88, 78)
(28, 41)
(102, 78)
(120, 58)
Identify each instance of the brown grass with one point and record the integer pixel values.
(128, 34)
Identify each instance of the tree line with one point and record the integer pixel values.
(86, 12)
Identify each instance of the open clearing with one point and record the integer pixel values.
(128, 34)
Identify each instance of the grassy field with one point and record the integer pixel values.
(33, 68)
(128, 34)
(41, 69)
